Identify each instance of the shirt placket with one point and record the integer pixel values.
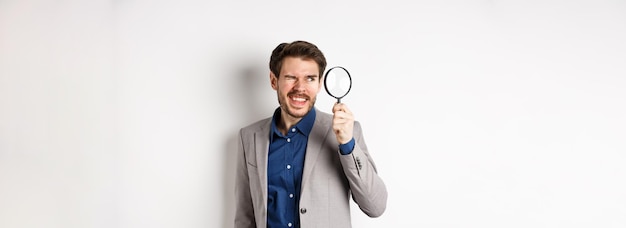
(289, 173)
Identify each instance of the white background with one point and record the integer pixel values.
(482, 114)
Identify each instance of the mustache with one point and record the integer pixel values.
(296, 94)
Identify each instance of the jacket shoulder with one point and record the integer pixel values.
(323, 116)
(256, 126)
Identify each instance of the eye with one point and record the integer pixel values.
(290, 78)
(311, 78)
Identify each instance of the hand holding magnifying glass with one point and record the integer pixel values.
(338, 83)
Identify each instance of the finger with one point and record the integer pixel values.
(345, 108)
(337, 122)
(342, 116)
(337, 107)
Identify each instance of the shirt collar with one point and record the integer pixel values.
(304, 125)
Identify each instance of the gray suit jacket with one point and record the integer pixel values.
(329, 179)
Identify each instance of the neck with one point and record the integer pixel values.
(287, 122)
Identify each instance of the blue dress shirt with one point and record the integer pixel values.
(284, 170)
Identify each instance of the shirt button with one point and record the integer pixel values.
(288, 166)
(289, 224)
(303, 210)
(290, 195)
(288, 139)
(293, 130)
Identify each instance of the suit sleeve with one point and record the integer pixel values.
(244, 210)
(367, 188)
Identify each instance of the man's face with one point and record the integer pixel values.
(297, 86)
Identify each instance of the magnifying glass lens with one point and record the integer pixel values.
(337, 82)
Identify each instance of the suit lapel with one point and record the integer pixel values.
(315, 143)
(261, 147)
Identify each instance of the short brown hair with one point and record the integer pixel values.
(302, 49)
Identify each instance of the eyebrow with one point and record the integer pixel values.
(311, 75)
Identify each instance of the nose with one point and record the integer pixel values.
(299, 85)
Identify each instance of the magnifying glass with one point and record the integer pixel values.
(337, 82)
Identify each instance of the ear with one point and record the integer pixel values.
(273, 81)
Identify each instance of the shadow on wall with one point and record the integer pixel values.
(249, 85)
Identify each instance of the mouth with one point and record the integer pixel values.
(298, 99)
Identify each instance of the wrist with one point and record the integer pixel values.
(347, 148)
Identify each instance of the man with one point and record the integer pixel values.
(300, 167)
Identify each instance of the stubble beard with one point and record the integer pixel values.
(282, 101)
